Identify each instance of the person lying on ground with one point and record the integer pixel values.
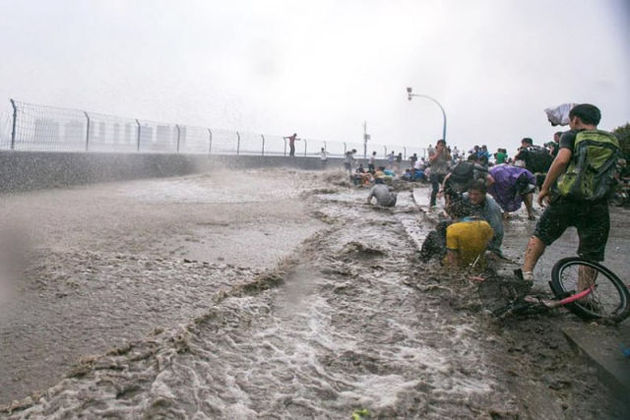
(384, 197)
(478, 203)
(412, 174)
(382, 175)
(510, 186)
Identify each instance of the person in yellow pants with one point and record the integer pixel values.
(466, 240)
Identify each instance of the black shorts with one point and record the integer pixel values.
(591, 219)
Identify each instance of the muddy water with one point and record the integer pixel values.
(343, 332)
(351, 320)
(107, 264)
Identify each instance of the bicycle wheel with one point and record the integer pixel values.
(610, 299)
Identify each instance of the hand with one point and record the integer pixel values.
(543, 197)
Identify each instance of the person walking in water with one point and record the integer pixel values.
(292, 138)
(439, 167)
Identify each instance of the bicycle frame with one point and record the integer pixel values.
(556, 303)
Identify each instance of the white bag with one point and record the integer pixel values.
(559, 115)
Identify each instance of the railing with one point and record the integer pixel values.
(32, 127)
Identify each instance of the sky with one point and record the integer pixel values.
(321, 68)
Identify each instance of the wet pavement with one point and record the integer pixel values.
(349, 319)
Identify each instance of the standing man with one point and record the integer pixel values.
(292, 138)
(390, 160)
(323, 157)
(578, 199)
(537, 159)
(413, 159)
(399, 158)
(438, 162)
(500, 156)
(348, 161)
(556, 139)
(371, 163)
(527, 142)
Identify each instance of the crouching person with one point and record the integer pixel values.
(467, 241)
(478, 203)
(384, 197)
(460, 242)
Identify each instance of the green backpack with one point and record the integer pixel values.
(591, 173)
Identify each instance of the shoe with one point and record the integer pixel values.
(526, 279)
(527, 275)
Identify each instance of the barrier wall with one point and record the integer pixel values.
(24, 171)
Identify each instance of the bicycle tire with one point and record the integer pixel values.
(619, 293)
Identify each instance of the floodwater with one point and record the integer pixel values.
(341, 316)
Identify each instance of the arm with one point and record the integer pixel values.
(452, 247)
(489, 180)
(444, 182)
(557, 168)
(451, 257)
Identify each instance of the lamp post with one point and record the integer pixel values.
(410, 94)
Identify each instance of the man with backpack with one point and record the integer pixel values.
(461, 177)
(584, 169)
(537, 159)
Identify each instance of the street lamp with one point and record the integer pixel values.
(410, 94)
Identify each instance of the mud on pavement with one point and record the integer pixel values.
(350, 321)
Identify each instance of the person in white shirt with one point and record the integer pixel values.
(323, 157)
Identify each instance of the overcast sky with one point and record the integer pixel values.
(321, 68)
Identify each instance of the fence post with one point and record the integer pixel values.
(87, 131)
(238, 143)
(210, 143)
(404, 153)
(385, 148)
(285, 146)
(325, 149)
(305, 146)
(344, 147)
(139, 130)
(178, 136)
(13, 125)
(263, 144)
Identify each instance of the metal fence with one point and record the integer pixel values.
(32, 127)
